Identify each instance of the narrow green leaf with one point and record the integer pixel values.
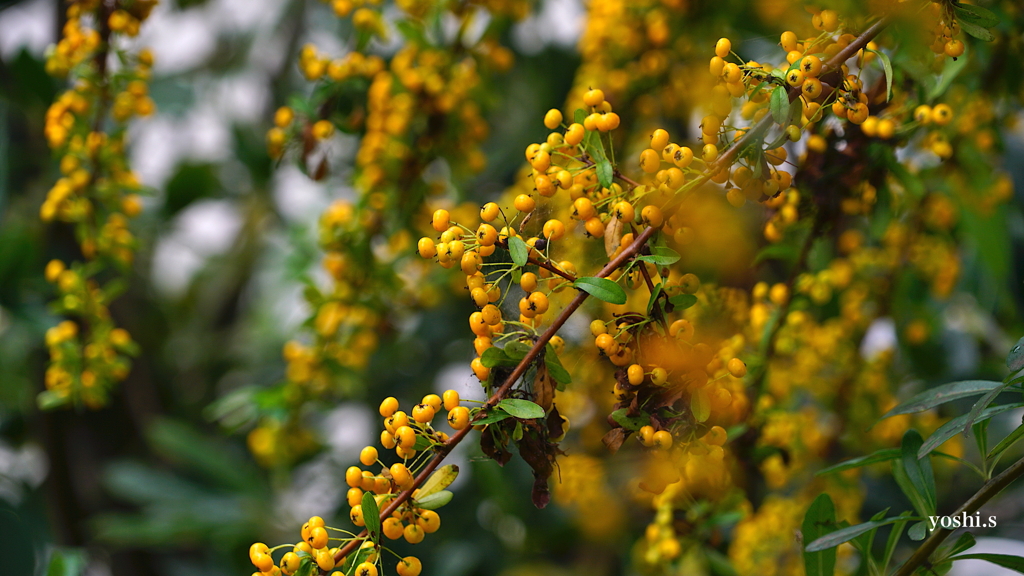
(779, 105)
(371, 516)
(918, 531)
(965, 542)
(940, 395)
(521, 408)
(979, 32)
(661, 256)
(495, 356)
(951, 428)
(982, 404)
(439, 480)
(633, 423)
(495, 415)
(976, 15)
(435, 500)
(579, 116)
(682, 301)
(980, 431)
(516, 350)
(602, 289)
(918, 470)
(700, 405)
(555, 368)
(517, 248)
(654, 297)
(1005, 443)
(1015, 563)
(883, 455)
(819, 521)
(1015, 359)
(887, 68)
(836, 538)
(894, 538)
(305, 566)
(605, 173)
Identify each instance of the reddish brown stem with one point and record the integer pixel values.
(500, 393)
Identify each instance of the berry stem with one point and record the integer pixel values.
(500, 393)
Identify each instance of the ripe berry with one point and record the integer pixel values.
(392, 528)
(574, 134)
(409, 566)
(489, 212)
(662, 439)
(421, 413)
(593, 97)
(737, 368)
(525, 203)
(552, 119)
(635, 373)
(413, 534)
(368, 456)
(366, 569)
(723, 48)
(440, 221)
(430, 521)
(389, 406)
(458, 417)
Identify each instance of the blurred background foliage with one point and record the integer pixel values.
(151, 484)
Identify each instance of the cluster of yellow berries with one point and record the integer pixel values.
(83, 367)
(408, 435)
(97, 193)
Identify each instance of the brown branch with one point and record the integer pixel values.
(972, 505)
(500, 393)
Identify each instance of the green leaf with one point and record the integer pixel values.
(980, 431)
(371, 516)
(435, 500)
(976, 15)
(439, 480)
(836, 538)
(605, 173)
(521, 408)
(1005, 443)
(966, 541)
(633, 423)
(887, 68)
(952, 69)
(517, 350)
(951, 428)
(700, 405)
(517, 248)
(48, 400)
(422, 443)
(784, 252)
(918, 471)
(306, 565)
(517, 433)
(819, 521)
(918, 531)
(779, 105)
(661, 256)
(883, 455)
(555, 368)
(1015, 359)
(940, 395)
(66, 562)
(579, 116)
(890, 544)
(1005, 560)
(602, 289)
(495, 415)
(979, 32)
(654, 297)
(682, 301)
(495, 356)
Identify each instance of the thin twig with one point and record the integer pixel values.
(500, 393)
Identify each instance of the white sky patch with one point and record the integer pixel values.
(880, 337)
(28, 25)
(204, 229)
(180, 41)
(558, 22)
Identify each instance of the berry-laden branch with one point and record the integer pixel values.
(972, 505)
(520, 369)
